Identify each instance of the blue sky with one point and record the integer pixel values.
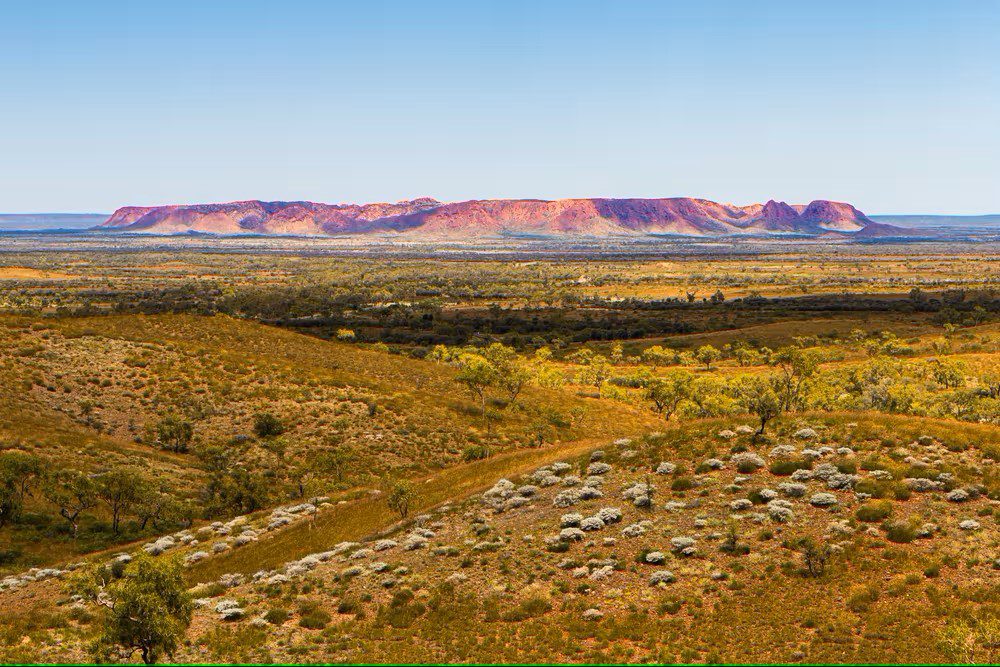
(894, 106)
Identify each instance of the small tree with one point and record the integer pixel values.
(148, 609)
(667, 392)
(18, 471)
(73, 493)
(759, 398)
(511, 374)
(796, 367)
(814, 556)
(266, 425)
(120, 489)
(707, 354)
(399, 497)
(173, 434)
(477, 375)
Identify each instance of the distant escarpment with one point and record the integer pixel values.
(430, 218)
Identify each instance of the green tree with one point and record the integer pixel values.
(795, 368)
(147, 609)
(667, 392)
(477, 375)
(707, 354)
(18, 471)
(511, 373)
(758, 397)
(399, 497)
(121, 489)
(173, 434)
(266, 425)
(73, 493)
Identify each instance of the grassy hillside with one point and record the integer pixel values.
(90, 389)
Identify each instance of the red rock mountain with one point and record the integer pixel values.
(491, 217)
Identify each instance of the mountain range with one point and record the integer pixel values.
(426, 217)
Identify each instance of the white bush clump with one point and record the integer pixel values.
(571, 519)
(655, 557)
(921, 484)
(780, 511)
(714, 464)
(527, 490)
(661, 577)
(747, 461)
(570, 534)
(683, 545)
(802, 475)
(593, 615)
(590, 493)
(597, 455)
(566, 498)
(610, 514)
(958, 495)
(969, 524)
(792, 489)
(806, 434)
(740, 505)
(782, 452)
(823, 499)
(637, 489)
(636, 529)
(540, 474)
(498, 493)
(195, 556)
(383, 545)
(880, 475)
(825, 471)
(591, 523)
(559, 467)
(414, 542)
(726, 434)
(665, 468)
(598, 468)
(245, 538)
(842, 481)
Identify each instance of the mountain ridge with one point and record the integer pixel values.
(429, 217)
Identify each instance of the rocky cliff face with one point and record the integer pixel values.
(488, 217)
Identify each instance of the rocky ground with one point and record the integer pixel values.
(822, 541)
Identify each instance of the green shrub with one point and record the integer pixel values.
(900, 533)
(874, 512)
(862, 600)
(788, 466)
(276, 616)
(476, 453)
(529, 608)
(682, 484)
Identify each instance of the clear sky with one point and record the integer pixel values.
(893, 106)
